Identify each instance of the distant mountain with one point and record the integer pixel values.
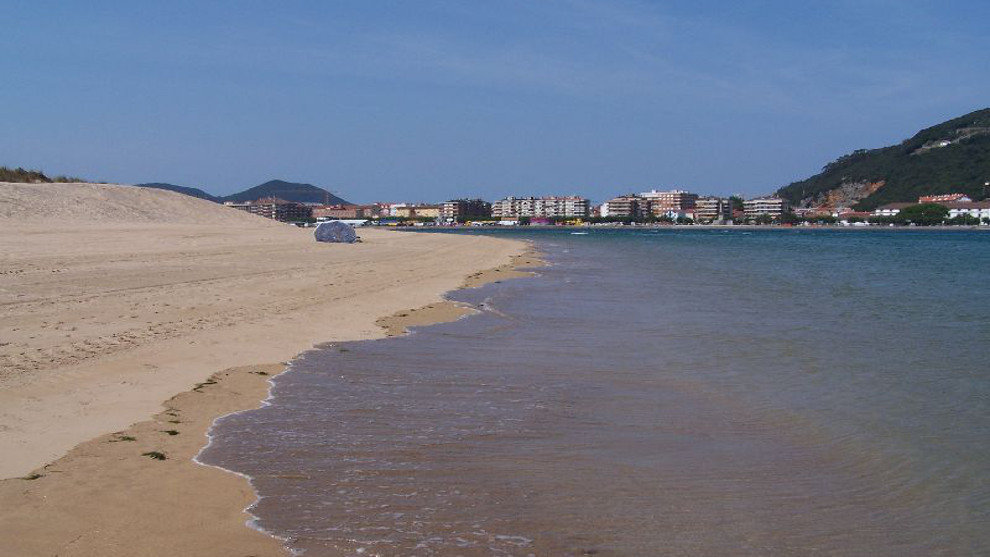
(194, 192)
(289, 191)
(952, 157)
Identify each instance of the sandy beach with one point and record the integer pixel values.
(114, 299)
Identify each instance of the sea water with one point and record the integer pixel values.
(653, 392)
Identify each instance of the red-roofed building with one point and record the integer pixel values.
(947, 198)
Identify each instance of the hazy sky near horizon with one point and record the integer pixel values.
(392, 100)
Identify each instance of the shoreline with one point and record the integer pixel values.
(194, 511)
(397, 324)
(445, 311)
(250, 523)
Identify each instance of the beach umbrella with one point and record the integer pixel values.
(335, 232)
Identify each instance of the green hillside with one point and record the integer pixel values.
(948, 158)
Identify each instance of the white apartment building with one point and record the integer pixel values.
(541, 207)
(771, 206)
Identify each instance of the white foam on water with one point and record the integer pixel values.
(252, 522)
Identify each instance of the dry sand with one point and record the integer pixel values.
(115, 298)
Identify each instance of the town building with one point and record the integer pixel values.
(773, 207)
(947, 198)
(976, 209)
(544, 207)
(463, 209)
(661, 202)
(275, 209)
(414, 211)
(713, 210)
(626, 206)
(329, 212)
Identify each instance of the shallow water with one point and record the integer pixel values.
(696, 392)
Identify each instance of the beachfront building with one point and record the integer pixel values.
(568, 206)
(713, 210)
(772, 207)
(629, 206)
(275, 209)
(541, 207)
(330, 212)
(463, 209)
(414, 211)
(513, 207)
(975, 209)
(663, 202)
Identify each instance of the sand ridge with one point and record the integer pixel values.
(76, 203)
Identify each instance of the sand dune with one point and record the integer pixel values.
(112, 204)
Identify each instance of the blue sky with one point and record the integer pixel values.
(434, 99)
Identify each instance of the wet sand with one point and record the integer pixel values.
(113, 496)
(440, 312)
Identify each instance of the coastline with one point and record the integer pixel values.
(135, 504)
(441, 312)
(396, 324)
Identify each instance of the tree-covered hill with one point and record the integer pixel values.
(289, 191)
(948, 158)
